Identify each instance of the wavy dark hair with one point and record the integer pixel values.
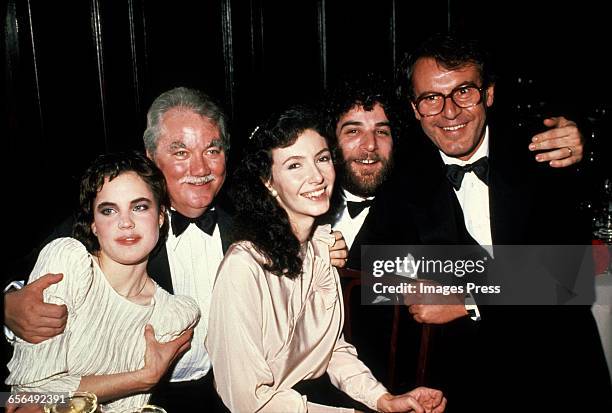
(451, 52)
(259, 218)
(110, 166)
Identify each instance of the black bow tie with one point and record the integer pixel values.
(206, 222)
(355, 207)
(455, 173)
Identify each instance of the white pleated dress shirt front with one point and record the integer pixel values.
(194, 257)
(473, 196)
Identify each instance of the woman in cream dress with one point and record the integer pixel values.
(276, 316)
(115, 310)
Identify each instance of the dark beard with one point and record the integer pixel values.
(357, 185)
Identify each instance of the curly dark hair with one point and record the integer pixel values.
(259, 218)
(110, 166)
(360, 90)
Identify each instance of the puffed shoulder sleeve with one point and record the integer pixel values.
(173, 315)
(44, 366)
(69, 257)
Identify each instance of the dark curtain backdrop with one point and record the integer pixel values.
(78, 76)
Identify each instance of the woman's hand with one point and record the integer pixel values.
(160, 356)
(419, 400)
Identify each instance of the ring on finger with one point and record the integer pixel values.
(569, 149)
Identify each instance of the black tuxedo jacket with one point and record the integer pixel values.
(529, 203)
(372, 325)
(380, 226)
(368, 234)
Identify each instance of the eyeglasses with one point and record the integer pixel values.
(464, 96)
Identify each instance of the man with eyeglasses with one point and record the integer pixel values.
(363, 120)
(475, 187)
(464, 96)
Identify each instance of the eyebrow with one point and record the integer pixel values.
(176, 145)
(215, 142)
(295, 157)
(180, 145)
(460, 85)
(103, 205)
(358, 123)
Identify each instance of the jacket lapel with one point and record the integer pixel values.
(224, 220)
(363, 237)
(510, 200)
(439, 217)
(159, 269)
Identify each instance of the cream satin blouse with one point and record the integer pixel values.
(267, 333)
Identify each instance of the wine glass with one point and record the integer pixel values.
(77, 402)
(603, 221)
(149, 408)
(604, 226)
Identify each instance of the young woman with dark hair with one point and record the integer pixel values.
(116, 312)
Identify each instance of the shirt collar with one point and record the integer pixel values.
(348, 196)
(173, 242)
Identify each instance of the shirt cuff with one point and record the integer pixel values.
(472, 308)
(16, 285)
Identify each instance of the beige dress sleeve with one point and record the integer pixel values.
(345, 370)
(350, 375)
(44, 366)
